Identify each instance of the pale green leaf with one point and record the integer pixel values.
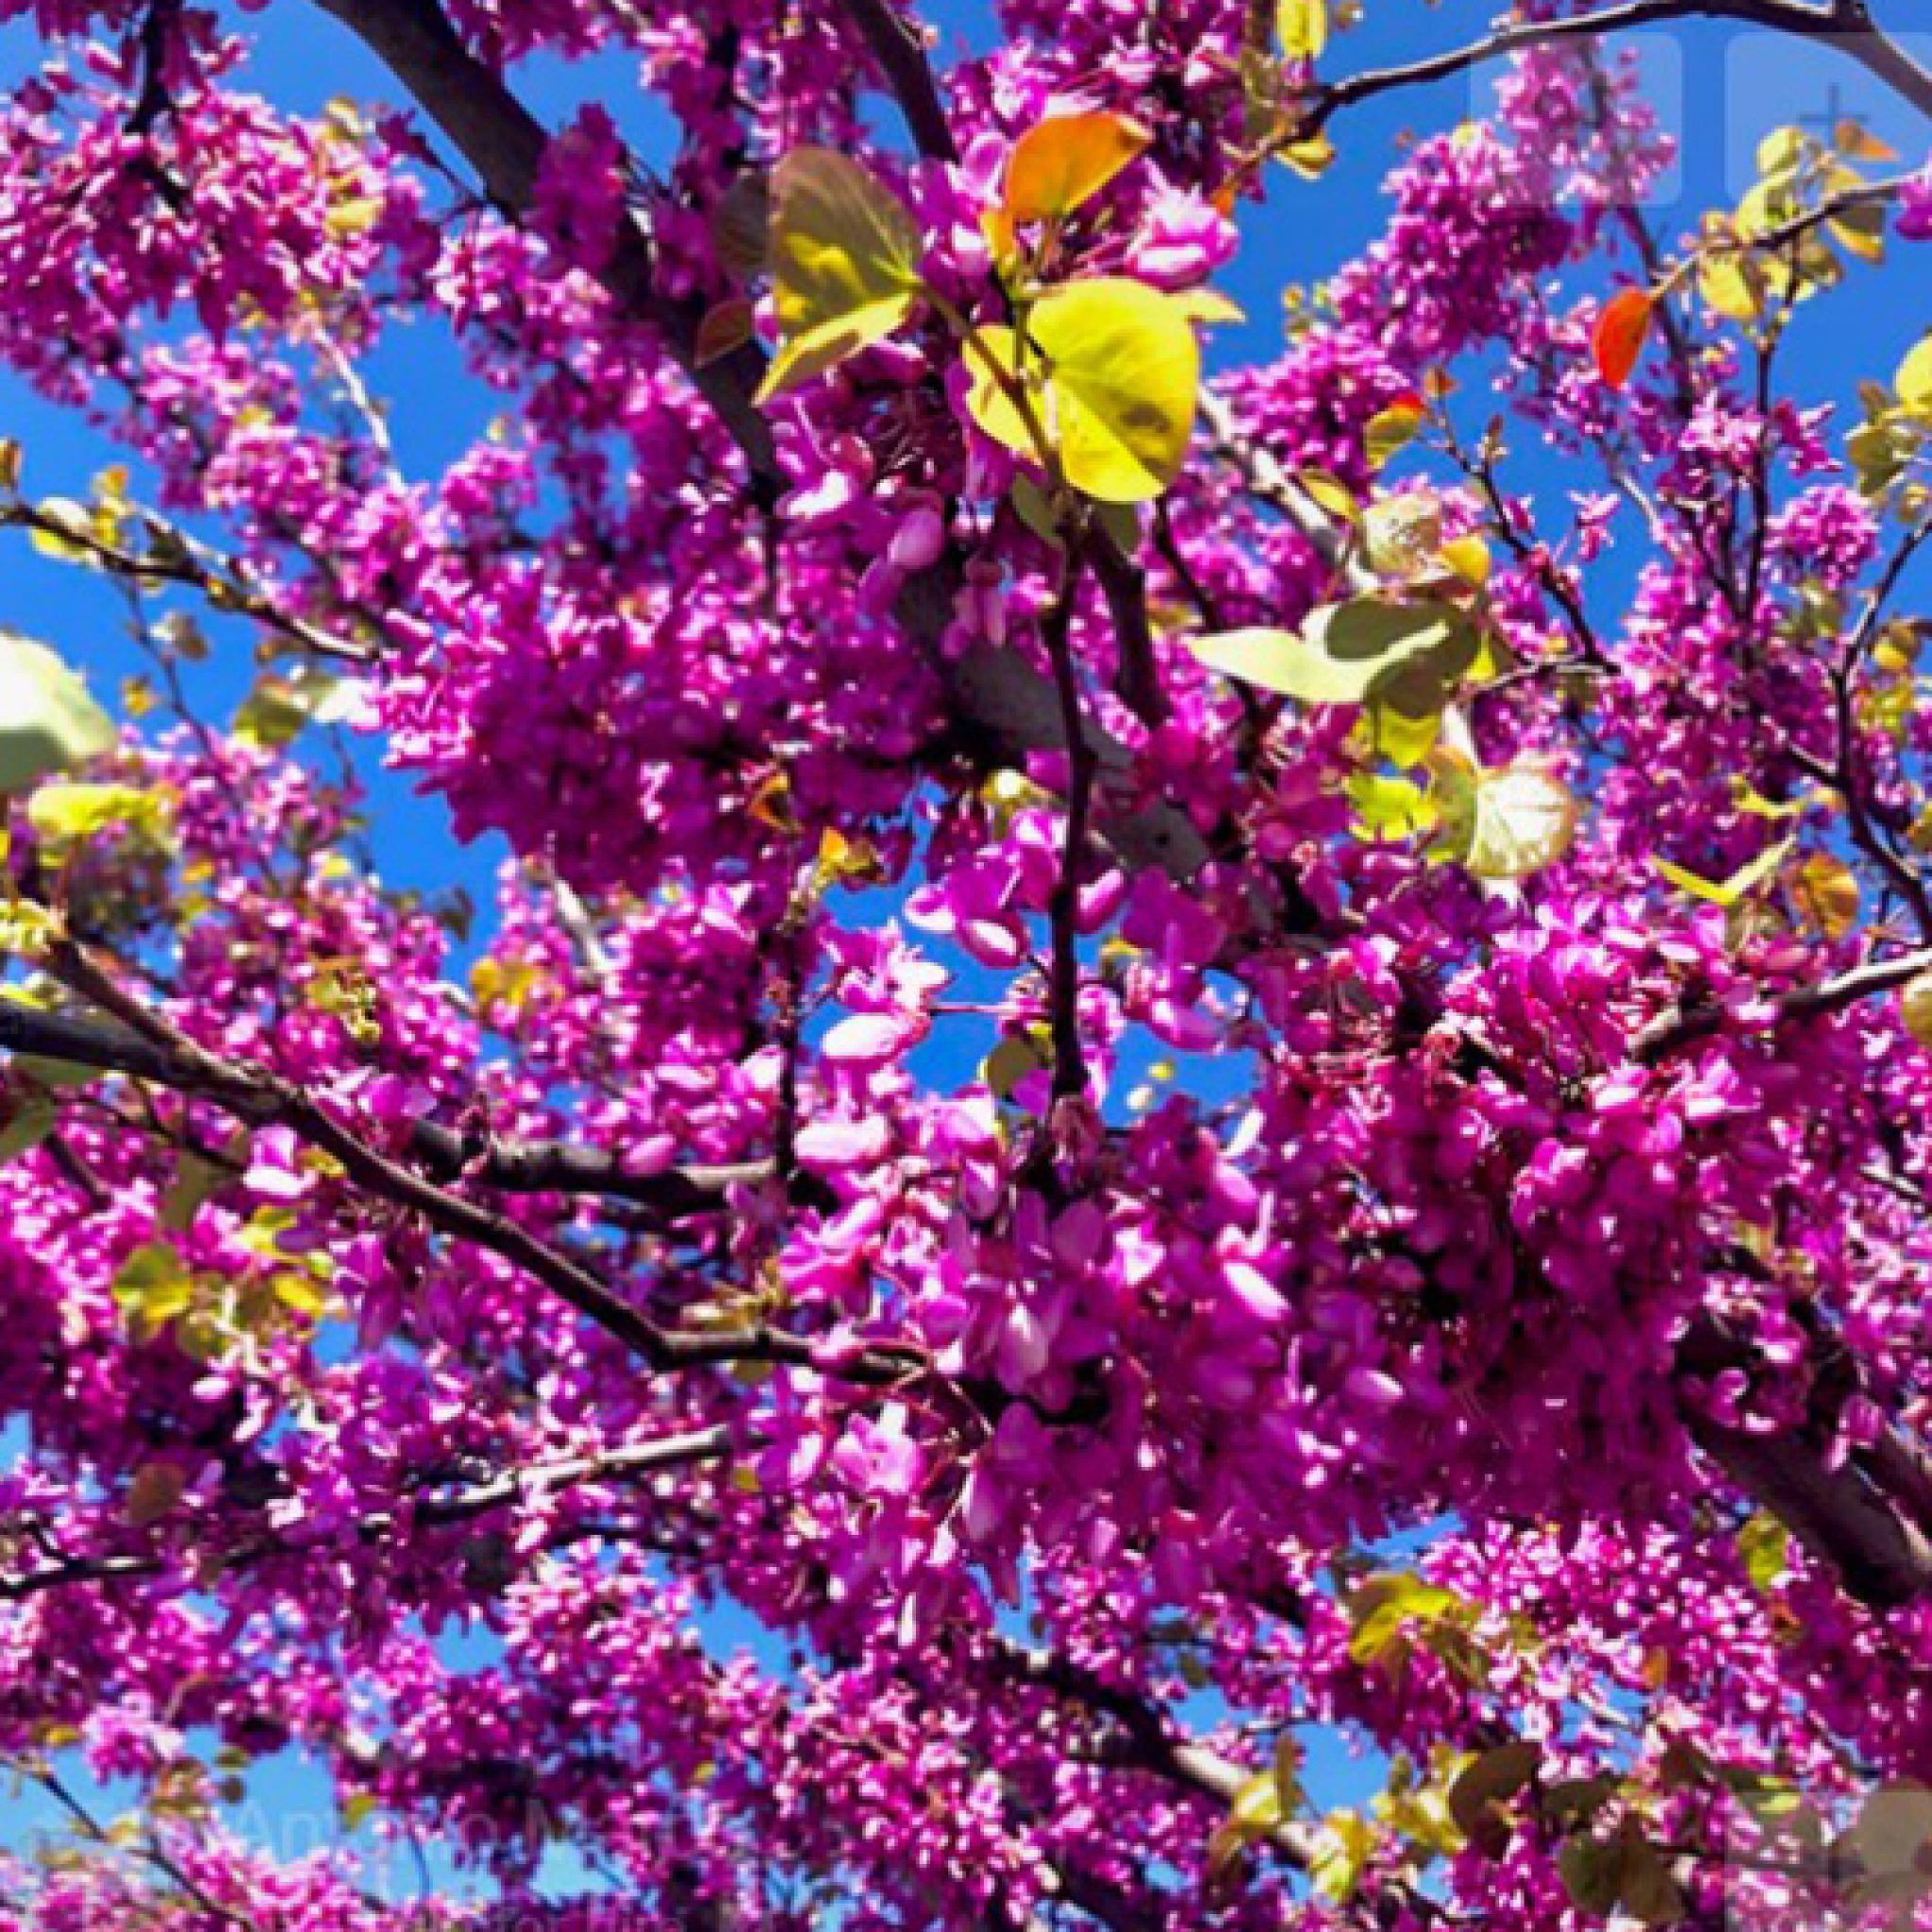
(48, 722)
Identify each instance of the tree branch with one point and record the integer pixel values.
(254, 1094)
(1847, 24)
(505, 144)
(1068, 1063)
(629, 1462)
(1686, 1026)
(895, 43)
(1150, 1745)
(511, 1166)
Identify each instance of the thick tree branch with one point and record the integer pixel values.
(1068, 1063)
(505, 144)
(1879, 1557)
(1859, 1516)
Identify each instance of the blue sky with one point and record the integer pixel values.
(1720, 88)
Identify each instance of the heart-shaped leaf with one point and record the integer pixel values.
(1066, 161)
(1348, 654)
(48, 722)
(1113, 384)
(844, 258)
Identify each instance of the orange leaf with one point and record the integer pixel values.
(1620, 333)
(1058, 165)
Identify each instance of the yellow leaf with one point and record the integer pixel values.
(1403, 741)
(300, 1293)
(153, 1284)
(1826, 893)
(1310, 158)
(66, 812)
(64, 530)
(1469, 557)
(1389, 430)
(1747, 879)
(1331, 495)
(1066, 161)
(1208, 306)
(1348, 654)
(1303, 28)
(844, 254)
(1915, 1008)
(1116, 398)
(1861, 231)
(1783, 150)
(1914, 379)
(993, 359)
(354, 215)
(1389, 809)
(1731, 285)
(1257, 1806)
(1342, 1850)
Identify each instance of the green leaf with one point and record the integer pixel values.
(1012, 1061)
(1347, 654)
(153, 1286)
(48, 722)
(196, 1182)
(1575, 1801)
(1894, 1831)
(1592, 1875)
(27, 1125)
(1383, 1607)
(1115, 397)
(1484, 1787)
(844, 256)
(1646, 1888)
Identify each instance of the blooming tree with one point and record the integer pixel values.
(1162, 1068)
